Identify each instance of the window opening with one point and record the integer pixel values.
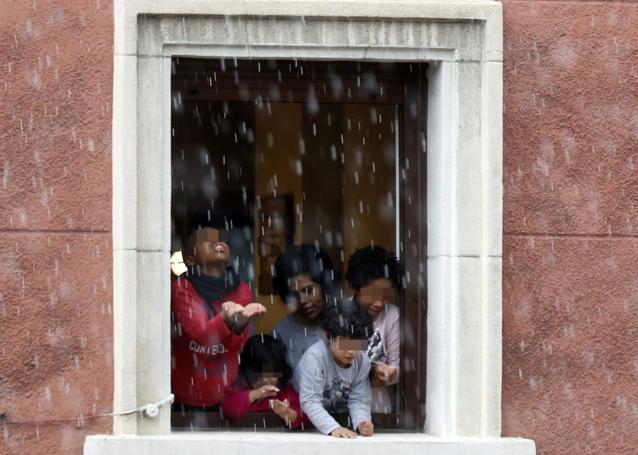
(289, 152)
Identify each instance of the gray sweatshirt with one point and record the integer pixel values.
(324, 388)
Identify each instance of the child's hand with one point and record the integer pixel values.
(283, 410)
(342, 432)
(254, 310)
(383, 374)
(279, 407)
(265, 391)
(233, 314)
(237, 317)
(366, 428)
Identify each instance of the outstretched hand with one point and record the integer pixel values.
(237, 317)
(233, 316)
(263, 392)
(253, 311)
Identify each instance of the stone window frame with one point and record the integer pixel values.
(462, 44)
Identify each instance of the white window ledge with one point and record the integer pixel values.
(277, 443)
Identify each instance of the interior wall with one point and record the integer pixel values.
(323, 167)
(369, 199)
(277, 134)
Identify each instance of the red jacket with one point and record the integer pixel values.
(205, 352)
(237, 405)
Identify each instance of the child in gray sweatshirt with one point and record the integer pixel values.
(333, 374)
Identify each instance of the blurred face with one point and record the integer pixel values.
(210, 247)
(266, 379)
(375, 295)
(310, 298)
(345, 350)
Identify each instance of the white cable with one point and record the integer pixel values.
(151, 409)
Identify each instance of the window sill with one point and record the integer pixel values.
(264, 443)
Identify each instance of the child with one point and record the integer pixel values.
(263, 384)
(332, 376)
(374, 275)
(211, 310)
(303, 278)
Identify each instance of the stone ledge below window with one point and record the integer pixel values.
(278, 443)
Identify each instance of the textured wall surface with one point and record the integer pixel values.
(570, 365)
(55, 222)
(570, 281)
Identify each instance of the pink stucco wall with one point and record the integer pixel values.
(570, 292)
(55, 223)
(570, 253)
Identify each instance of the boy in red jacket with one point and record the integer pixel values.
(211, 311)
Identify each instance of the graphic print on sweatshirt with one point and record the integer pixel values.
(375, 350)
(335, 397)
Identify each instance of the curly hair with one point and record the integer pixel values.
(264, 354)
(303, 259)
(345, 318)
(371, 263)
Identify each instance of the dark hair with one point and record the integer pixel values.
(345, 318)
(303, 259)
(371, 263)
(264, 354)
